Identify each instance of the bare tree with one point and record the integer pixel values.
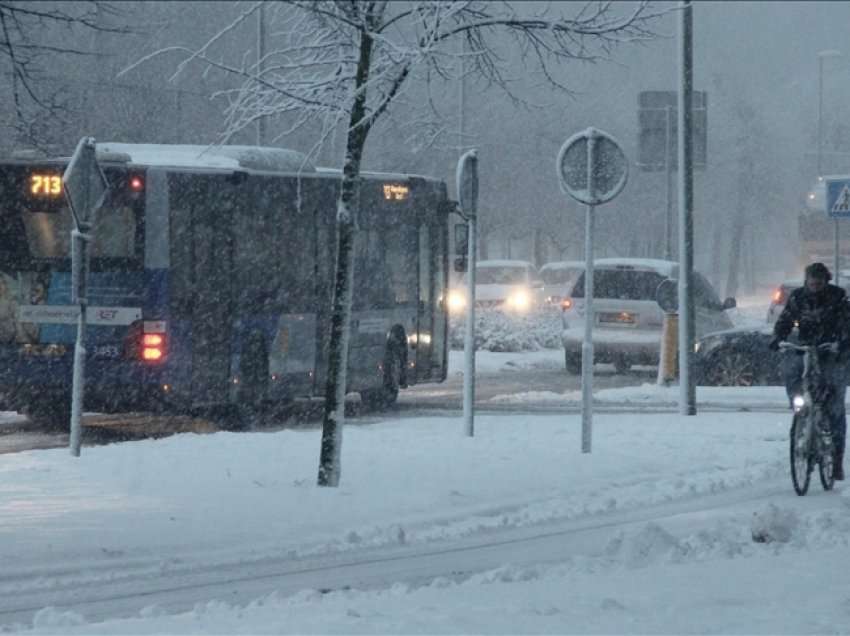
(31, 35)
(342, 64)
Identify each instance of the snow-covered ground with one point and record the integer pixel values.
(690, 525)
(191, 502)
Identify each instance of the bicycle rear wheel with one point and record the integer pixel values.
(801, 457)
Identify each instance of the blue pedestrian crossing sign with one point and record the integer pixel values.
(838, 198)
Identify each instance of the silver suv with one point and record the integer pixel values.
(627, 320)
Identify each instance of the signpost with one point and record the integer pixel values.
(467, 188)
(85, 189)
(593, 170)
(837, 207)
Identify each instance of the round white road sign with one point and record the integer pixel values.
(610, 168)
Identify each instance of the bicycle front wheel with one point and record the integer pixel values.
(825, 465)
(801, 456)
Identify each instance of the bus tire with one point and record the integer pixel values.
(387, 395)
(53, 414)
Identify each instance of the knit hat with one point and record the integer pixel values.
(818, 270)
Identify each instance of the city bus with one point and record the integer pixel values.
(210, 285)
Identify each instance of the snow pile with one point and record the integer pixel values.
(497, 330)
(774, 524)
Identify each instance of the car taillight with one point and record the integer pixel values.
(566, 304)
(778, 296)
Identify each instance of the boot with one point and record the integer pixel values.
(838, 465)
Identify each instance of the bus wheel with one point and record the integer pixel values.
(53, 414)
(387, 395)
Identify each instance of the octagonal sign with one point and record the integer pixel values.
(610, 168)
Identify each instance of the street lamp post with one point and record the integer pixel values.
(821, 56)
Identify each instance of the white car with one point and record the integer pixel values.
(558, 280)
(512, 286)
(627, 320)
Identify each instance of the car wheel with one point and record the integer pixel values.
(730, 368)
(573, 363)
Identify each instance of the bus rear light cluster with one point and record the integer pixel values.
(153, 347)
(146, 346)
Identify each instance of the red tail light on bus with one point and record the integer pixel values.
(146, 346)
(153, 347)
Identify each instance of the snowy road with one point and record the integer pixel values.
(124, 589)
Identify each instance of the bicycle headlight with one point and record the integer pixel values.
(799, 402)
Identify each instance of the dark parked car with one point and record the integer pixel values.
(738, 357)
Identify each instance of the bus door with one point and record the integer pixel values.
(439, 336)
(211, 311)
(425, 327)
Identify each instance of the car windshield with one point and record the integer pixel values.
(500, 275)
(624, 284)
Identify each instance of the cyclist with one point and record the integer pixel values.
(822, 314)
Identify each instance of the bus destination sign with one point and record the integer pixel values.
(396, 191)
(45, 185)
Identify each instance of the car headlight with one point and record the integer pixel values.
(520, 300)
(457, 301)
(707, 345)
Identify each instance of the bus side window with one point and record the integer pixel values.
(372, 289)
(402, 244)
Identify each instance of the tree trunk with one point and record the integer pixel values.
(334, 415)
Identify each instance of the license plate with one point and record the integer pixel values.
(617, 318)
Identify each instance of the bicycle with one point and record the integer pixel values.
(811, 434)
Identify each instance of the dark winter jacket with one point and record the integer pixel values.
(820, 317)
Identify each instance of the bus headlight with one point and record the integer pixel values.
(457, 301)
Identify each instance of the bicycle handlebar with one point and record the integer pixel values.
(826, 346)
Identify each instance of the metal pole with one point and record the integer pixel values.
(687, 389)
(820, 114)
(261, 53)
(79, 271)
(587, 345)
(836, 240)
(469, 336)
(668, 155)
(461, 97)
